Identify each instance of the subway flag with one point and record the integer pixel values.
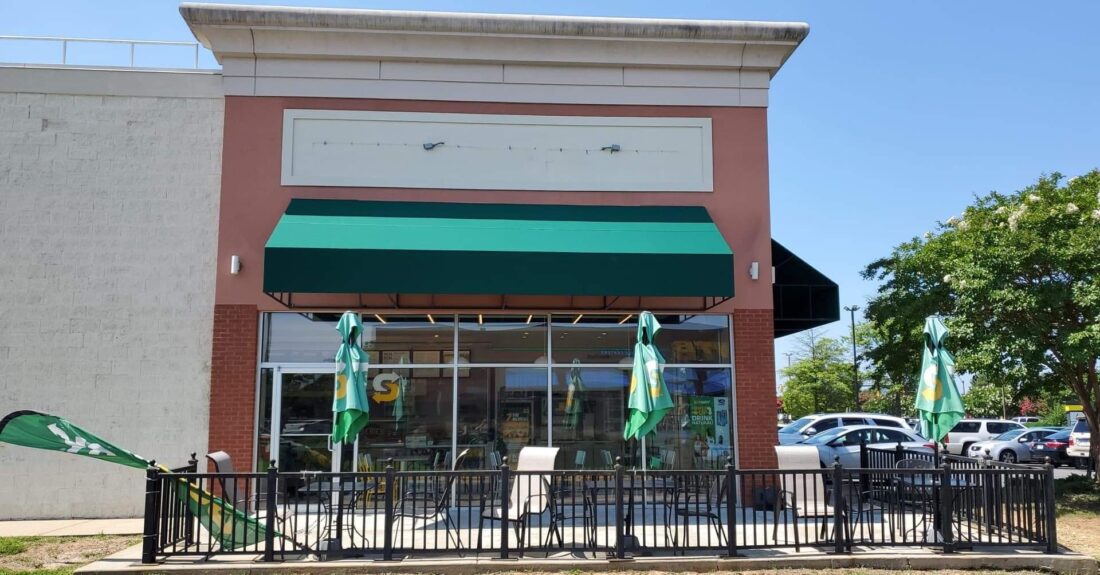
(229, 526)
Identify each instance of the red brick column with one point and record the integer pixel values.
(754, 364)
(233, 382)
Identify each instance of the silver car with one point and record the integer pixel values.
(1011, 446)
(844, 442)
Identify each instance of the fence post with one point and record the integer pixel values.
(1050, 516)
(731, 509)
(391, 484)
(620, 521)
(864, 463)
(152, 498)
(188, 516)
(271, 485)
(505, 495)
(839, 519)
(946, 497)
(899, 453)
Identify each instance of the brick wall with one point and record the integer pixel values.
(754, 362)
(233, 382)
(108, 218)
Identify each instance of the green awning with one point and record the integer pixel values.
(345, 246)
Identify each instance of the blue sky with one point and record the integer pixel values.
(888, 118)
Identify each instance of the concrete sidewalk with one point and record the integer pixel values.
(61, 527)
(899, 559)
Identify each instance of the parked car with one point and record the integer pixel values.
(844, 442)
(1079, 442)
(1011, 446)
(1052, 446)
(969, 431)
(1026, 419)
(811, 425)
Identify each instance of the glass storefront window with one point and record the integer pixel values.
(505, 388)
(502, 339)
(410, 420)
(589, 411)
(696, 434)
(592, 339)
(300, 338)
(694, 339)
(500, 410)
(397, 339)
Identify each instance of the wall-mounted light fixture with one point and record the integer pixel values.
(754, 270)
(611, 149)
(432, 145)
(234, 265)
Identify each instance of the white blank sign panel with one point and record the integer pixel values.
(495, 152)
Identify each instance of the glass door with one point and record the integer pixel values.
(302, 423)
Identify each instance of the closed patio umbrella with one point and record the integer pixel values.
(938, 400)
(648, 399)
(574, 397)
(350, 399)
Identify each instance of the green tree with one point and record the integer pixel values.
(1018, 276)
(821, 379)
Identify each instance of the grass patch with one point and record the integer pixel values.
(1077, 495)
(13, 545)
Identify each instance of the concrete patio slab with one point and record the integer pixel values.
(1066, 563)
(69, 527)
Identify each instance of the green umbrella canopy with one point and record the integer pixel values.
(938, 400)
(648, 399)
(350, 400)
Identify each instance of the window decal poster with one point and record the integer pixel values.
(710, 425)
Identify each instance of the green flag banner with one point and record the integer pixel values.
(648, 399)
(231, 527)
(938, 400)
(49, 432)
(350, 401)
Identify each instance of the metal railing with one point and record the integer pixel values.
(614, 513)
(65, 42)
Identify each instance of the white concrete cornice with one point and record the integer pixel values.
(492, 57)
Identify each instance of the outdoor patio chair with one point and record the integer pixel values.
(530, 496)
(414, 505)
(803, 494)
(687, 499)
(230, 490)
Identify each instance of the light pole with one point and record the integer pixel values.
(852, 309)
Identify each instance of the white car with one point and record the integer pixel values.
(811, 425)
(1079, 441)
(844, 442)
(1011, 446)
(970, 431)
(1026, 419)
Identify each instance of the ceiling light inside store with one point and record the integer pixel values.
(431, 319)
(578, 318)
(626, 319)
(379, 318)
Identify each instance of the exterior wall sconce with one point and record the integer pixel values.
(234, 265)
(432, 145)
(611, 149)
(754, 270)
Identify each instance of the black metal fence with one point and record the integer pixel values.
(614, 513)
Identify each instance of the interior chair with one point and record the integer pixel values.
(578, 460)
(608, 461)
